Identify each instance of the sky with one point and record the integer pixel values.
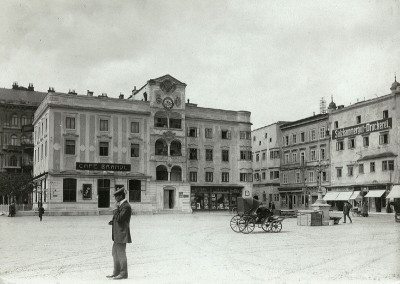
(276, 59)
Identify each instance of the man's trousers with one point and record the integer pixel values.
(120, 261)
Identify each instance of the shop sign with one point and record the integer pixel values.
(377, 125)
(103, 167)
(181, 195)
(87, 191)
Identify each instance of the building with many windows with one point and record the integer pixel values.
(365, 148)
(17, 107)
(305, 163)
(266, 144)
(167, 154)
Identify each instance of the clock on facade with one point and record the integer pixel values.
(168, 103)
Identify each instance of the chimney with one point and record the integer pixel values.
(15, 85)
(50, 90)
(103, 95)
(340, 107)
(30, 87)
(121, 96)
(134, 91)
(72, 92)
(89, 93)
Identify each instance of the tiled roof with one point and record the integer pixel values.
(21, 96)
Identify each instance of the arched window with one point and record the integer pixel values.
(13, 161)
(175, 120)
(69, 190)
(161, 173)
(14, 120)
(160, 119)
(161, 148)
(176, 173)
(14, 140)
(175, 148)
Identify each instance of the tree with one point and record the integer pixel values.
(15, 184)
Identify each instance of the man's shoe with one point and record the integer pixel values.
(111, 276)
(119, 277)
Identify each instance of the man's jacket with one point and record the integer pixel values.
(120, 223)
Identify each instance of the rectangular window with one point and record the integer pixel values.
(245, 155)
(248, 135)
(226, 134)
(103, 149)
(134, 127)
(285, 178)
(297, 177)
(385, 114)
(338, 172)
(366, 141)
(350, 171)
(324, 176)
(391, 165)
(193, 176)
(209, 176)
(294, 157)
(208, 133)
(243, 177)
(322, 132)
(225, 177)
(192, 132)
(242, 134)
(256, 176)
(384, 138)
(336, 124)
(263, 156)
(70, 147)
(274, 154)
(193, 154)
(103, 125)
(69, 190)
(135, 190)
(175, 123)
(294, 137)
(286, 140)
(209, 154)
(339, 145)
(135, 150)
(372, 167)
(302, 137)
(287, 158)
(313, 155)
(257, 157)
(311, 177)
(361, 168)
(70, 122)
(322, 154)
(313, 137)
(225, 155)
(351, 143)
(358, 119)
(263, 176)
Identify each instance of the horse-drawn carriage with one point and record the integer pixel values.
(252, 213)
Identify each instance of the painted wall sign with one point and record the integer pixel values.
(103, 167)
(378, 125)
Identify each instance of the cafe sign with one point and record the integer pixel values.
(103, 167)
(378, 125)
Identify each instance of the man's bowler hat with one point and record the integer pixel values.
(119, 191)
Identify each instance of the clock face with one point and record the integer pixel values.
(168, 103)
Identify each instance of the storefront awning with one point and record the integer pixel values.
(344, 196)
(375, 193)
(331, 195)
(395, 192)
(354, 195)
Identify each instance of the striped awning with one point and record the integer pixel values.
(331, 195)
(344, 196)
(354, 195)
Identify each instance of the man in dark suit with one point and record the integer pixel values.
(121, 235)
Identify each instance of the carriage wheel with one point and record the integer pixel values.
(235, 223)
(276, 227)
(247, 224)
(266, 226)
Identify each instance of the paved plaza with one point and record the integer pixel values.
(199, 248)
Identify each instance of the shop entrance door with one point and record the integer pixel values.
(169, 198)
(103, 192)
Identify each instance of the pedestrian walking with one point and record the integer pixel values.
(364, 211)
(41, 212)
(346, 210)
(272, 206)
(121, 234)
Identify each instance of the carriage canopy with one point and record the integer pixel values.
(247, 205)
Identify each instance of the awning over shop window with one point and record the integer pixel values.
(344, 196)
(354, 195)
(331, 195)
(375, 193)
(395, 192)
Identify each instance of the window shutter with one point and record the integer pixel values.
(187, 131)
(197, 132)
(229, 134)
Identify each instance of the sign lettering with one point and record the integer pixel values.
(103, 167)
(378, 125)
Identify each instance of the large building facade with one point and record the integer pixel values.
(169, 155)
(305, 161)
(365, 148)
(266, 144)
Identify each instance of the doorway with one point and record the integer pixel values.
(103, 192)
(169, 198)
